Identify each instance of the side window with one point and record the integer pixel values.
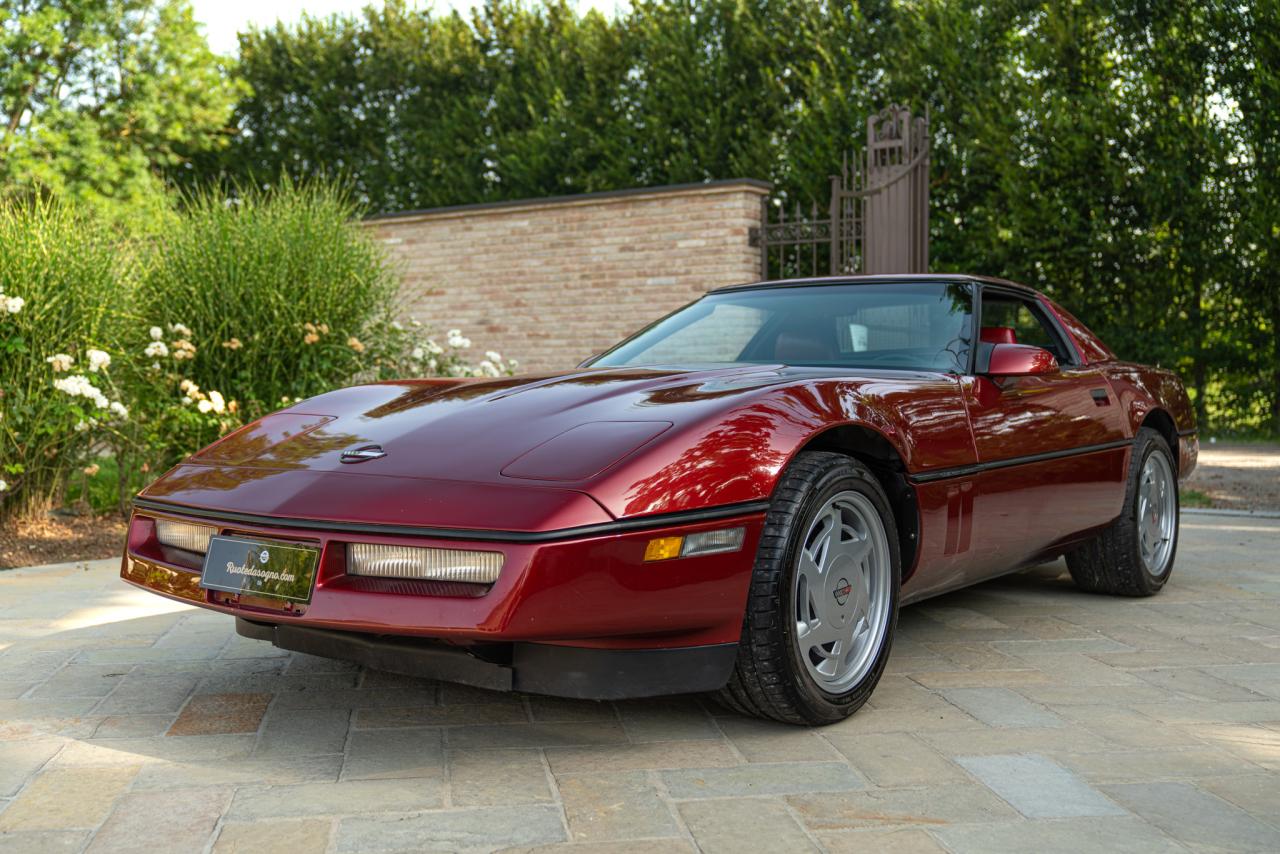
(1012, 319)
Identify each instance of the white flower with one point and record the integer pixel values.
(431, 364)
(513, 364)
(98, 360)
(13, 305)
(487, 369)
(70, 385)
(188, 387)
(186, 401)
(3, 486)
(156, 349)
(81, 426)
(493, 356)
(397, 325)
(61, 362)
(78, 385)
(121, 411)
(456, 340)
(180, 330)
(216, 402)
(156, 333)
(433, 348)
(417, 354)
(204, 406)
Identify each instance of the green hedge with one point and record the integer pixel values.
(1123, 156)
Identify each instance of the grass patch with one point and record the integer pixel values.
(101, 489)
(1194, 498)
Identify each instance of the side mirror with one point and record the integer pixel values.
(1020, 360)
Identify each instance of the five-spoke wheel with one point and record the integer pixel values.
(841, 591)
(824, 595)
(1157, 513)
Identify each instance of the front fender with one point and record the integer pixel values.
(737, 455)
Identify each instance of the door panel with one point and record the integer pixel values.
(1031, 505)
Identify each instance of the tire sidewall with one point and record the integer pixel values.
(835, 480)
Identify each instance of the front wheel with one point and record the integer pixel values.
(823, 602)
(1134, 556)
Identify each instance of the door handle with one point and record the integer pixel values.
(1100, 397)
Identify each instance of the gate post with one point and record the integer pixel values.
(896, 218)
(877, 220)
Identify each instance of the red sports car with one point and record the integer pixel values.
(736, 499)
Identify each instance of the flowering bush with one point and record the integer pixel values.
(60, 278)
(245, 307)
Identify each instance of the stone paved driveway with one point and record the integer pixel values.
(1017, 716)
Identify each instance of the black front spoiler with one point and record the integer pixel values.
(560, 671)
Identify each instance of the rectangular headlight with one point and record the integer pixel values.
(382, 561)
(184, 535)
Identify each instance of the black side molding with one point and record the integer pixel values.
(977, 468)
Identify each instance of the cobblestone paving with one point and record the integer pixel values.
(1016, 716)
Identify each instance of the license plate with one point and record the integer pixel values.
(260, 568)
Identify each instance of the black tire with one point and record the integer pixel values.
(769, 679)
(1112, 562)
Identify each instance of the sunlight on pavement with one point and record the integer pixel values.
(128, 605)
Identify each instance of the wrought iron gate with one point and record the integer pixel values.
(877, 218)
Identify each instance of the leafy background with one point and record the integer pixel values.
(1124, 156)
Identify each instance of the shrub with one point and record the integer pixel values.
(275, 293)
(60, 296)
(244, 306)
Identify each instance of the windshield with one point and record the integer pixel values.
(924, 326)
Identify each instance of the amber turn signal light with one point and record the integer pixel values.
(663, 548)
(701, 543)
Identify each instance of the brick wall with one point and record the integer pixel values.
(552, 281)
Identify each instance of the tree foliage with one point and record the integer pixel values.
(97, 95)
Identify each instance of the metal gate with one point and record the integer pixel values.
(877, 218)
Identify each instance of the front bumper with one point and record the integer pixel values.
(535, 668)
(556, 604)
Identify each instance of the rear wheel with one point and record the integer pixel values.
(1134, 556)
(824, 596)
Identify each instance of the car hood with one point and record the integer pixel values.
(475, 429)
(531, 450)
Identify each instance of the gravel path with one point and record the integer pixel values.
(1239, 477)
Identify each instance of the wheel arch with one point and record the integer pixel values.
(1162, 422)
(873, 449)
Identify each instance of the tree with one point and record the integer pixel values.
(1250, 63)
(97, 95)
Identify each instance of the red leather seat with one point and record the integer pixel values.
(998, 335)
